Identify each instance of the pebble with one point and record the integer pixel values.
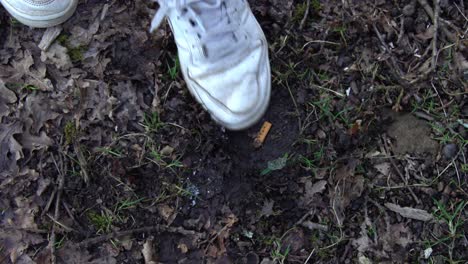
(409, 9)
(252, 258)
(440, 186)
(449, 151)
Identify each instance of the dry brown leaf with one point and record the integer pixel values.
(165, 211)
(11, 149)
(6, 97)
(58, 56)
(267, 208)
(148, 252)
(426, 35)
(348, 187)
(408, 212)
(383, 168)
(27, 72)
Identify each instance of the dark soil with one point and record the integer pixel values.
(99, 136)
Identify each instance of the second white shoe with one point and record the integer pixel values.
(40, 13)
(223, 54)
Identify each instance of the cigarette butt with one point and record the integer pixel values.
(261, 136)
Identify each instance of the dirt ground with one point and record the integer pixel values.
(106, 158)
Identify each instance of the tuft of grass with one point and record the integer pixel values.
(278, 254)
(60, 243)
(451, 216)
(160, 160)
(326, 111)
(20, 87)
(173, 69)
(311, 163)
(101, 221)
(341, 30)
(152, 122)
(29, 87)
(445, 135)
(127, 204)
(110, 151)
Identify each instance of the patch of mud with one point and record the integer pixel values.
(412, 135)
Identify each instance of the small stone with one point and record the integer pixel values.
(321, 134)
(449, 151)
(409, 9)
(167, 151)
(252, 258)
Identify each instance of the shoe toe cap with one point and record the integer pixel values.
(244, 96)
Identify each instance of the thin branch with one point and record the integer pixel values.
(452, 37)
(306, 15)
(435, 37)
(148, 229)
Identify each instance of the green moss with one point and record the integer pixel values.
(75, 53)
(62, 39)
(315, 4)
(299, 12)
(102, 222)
(70, 132)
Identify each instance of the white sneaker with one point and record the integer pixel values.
(223, 55)
(40, 13)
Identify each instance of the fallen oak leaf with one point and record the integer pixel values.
(408, 212)
(11, 149)
(6, 97)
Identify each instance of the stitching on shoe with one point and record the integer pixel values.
(39, 2)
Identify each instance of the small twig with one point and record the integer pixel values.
(440, 99)
(314, 226)
(306, 14)
(456, 170)
(310, 255)
(452, 37)
(49, 203)
(461, 12)
(436, 30)
(67, 228)
(416, 199)
(60, 181)
(402, 30)
(320, 41)
(329, 90)
(82, 162)
(99, 239)
(303, 218)
(387, 50)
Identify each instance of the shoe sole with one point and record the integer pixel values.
(41, 21)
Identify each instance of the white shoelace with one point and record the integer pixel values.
(206, 32)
